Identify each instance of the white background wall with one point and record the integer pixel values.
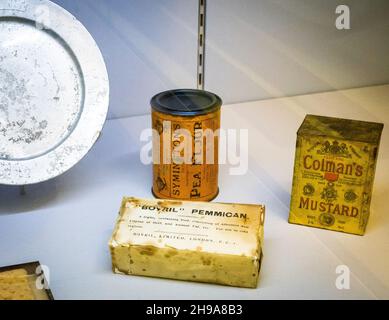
(259, 49)
(256, 49)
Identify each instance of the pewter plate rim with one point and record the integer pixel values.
(94, 110)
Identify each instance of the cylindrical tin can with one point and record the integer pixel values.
(186, 125)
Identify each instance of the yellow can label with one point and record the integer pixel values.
(332, 184)
(197, 178)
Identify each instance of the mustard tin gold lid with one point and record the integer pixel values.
(186, 102)
(338, 128)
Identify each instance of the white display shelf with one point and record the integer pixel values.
(66, 223)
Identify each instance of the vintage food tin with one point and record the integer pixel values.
(24, 282)
(189, 118)
(334, 172)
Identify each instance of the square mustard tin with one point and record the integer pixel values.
(334, 172)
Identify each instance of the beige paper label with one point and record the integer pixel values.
(209, 227)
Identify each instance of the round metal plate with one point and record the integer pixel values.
(54, 91)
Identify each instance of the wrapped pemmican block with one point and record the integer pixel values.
(195, 241)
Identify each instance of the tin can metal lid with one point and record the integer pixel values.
(186, 102)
